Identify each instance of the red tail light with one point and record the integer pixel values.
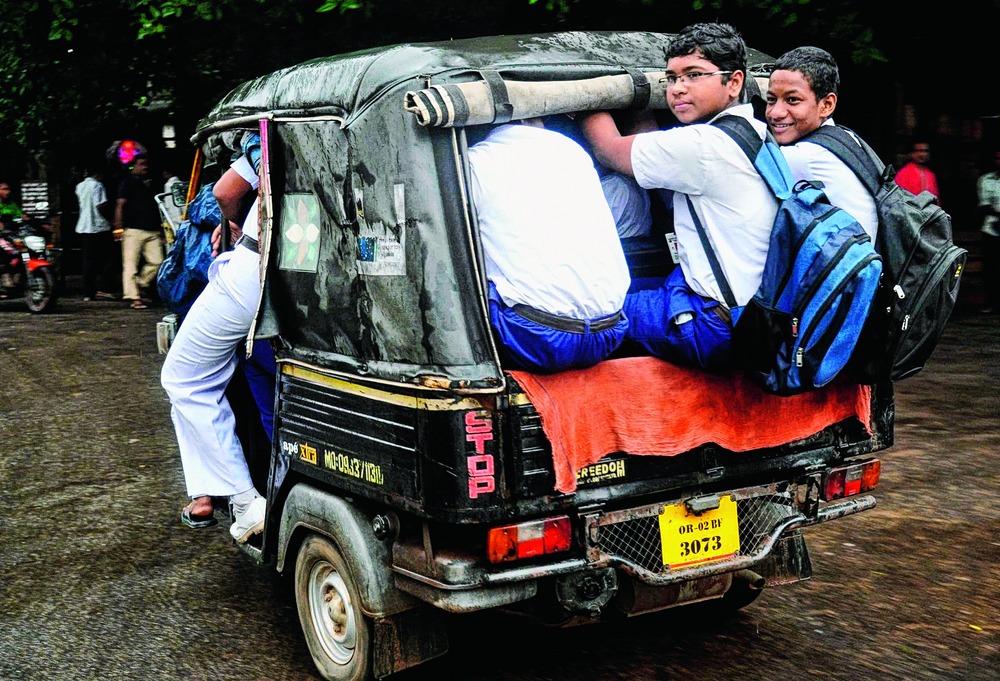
(847, 481)
(525, 540)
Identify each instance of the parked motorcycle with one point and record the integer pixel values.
(29, 263)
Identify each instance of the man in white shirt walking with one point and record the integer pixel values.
(96, 241)
(988, 189)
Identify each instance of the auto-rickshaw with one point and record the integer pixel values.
(412, 474)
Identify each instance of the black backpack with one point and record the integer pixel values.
(921, 267)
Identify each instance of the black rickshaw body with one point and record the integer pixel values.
(400, 439)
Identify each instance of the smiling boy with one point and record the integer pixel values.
(683, 318)
(801, 97)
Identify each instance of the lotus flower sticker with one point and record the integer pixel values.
(299, 245)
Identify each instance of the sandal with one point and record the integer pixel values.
(137, 304)
(197, 522)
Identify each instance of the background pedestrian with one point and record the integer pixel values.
(96, 241)
(140, 229)
(988, 190)
(916, 176)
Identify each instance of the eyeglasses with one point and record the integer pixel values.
(692, 77)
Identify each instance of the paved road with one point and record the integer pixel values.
(98, 579)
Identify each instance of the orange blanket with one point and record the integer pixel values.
(645, 406)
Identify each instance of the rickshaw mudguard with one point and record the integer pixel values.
(308, 509)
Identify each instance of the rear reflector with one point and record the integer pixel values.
(525, 540)
(847, 481)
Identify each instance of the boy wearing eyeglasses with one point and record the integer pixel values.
(683, 318)
(801, 97)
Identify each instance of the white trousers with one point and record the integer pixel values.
(197, 370)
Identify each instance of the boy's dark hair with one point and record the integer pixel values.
(816, 64)
(720, 44)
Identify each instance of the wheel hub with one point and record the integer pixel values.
(333, 613)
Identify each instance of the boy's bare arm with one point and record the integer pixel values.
(608, 145)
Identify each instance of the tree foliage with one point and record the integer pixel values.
(73, 70)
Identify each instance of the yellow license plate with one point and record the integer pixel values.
(688, 539)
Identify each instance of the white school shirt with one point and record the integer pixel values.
(735, 205)
(242, 258)
(810, 161)
(549, 239)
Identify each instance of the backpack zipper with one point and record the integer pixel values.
(860, 265)
(945, 257)
(834, 261)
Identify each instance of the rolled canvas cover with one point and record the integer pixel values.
(496, 101)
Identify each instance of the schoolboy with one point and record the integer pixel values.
(202, 359)
(683, 318)
(801, 97)
(557, 274)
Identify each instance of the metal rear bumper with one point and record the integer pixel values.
(627, 540)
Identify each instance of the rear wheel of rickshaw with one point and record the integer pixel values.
(338, 634)
(40, 289)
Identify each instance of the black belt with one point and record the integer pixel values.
(248, 242)
(566, 323)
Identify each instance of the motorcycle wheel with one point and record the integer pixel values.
(40, 290)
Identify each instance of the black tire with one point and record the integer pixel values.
(338, 634)
(40, 290)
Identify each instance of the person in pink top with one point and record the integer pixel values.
(916, 176)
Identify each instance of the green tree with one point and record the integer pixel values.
(76, 71)
(64, 63)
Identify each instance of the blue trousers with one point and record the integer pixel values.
(530, 346)
(701, 341)
(260, 370)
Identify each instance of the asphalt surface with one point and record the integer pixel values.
(99, 579)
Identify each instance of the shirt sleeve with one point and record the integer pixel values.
(673, 159)
(245, 169)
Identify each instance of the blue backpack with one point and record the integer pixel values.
(184, 272)
(820, 277)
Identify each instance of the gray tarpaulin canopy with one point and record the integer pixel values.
(613, 62)
(374, 266)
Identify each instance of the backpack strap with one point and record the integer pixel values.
(743, 134)
(765, 155)
(713, 260)
(854, 153)
(769, 163)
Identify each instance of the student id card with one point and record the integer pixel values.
(672, 245)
